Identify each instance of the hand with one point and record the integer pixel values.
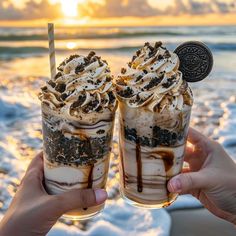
(33, 212)
(211, 176)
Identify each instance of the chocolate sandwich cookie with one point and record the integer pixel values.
(196, 60)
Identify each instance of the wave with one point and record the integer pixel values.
(34, 34)
(23, 37)
(11, 111)
(222, 46)
(18, 51)
(22, 50)
(41, 50)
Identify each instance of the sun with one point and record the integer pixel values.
(70, 7)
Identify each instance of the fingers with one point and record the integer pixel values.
(195, 158)
(35, 169)
(232, 219)
(196, 137)
(78, 198)
(189, 152)
(197, 149)
(186, 182)
(186, 170)
(36, 162)
(198, 143)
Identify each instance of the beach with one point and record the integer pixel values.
(199, 222)
(24, 68)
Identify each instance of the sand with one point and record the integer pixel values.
(199, 222)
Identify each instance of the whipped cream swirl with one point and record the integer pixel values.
(82, 85)
(152, 79)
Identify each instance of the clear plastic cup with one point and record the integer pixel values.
(152, 146)
(76, 156)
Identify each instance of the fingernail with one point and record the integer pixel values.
(101, 195)
(175, 185)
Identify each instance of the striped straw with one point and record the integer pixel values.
(52, 50)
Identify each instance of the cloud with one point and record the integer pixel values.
(194, 7)
(225, 7)
(114, 8)
(199, 8)
(141, 8)
(32, 10)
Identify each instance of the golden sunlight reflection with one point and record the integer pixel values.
(73, 21)
(71, 45)
(190, 145)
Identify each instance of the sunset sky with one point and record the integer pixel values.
(117, 12)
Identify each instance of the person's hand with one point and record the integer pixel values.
(33, 212)
(211, 176)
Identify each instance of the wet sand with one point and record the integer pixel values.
(199, 222)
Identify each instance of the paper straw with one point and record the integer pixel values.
(52, 50)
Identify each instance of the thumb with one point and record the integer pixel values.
(78, 198)
(184, 183)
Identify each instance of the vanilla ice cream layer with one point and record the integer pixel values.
(60, 178)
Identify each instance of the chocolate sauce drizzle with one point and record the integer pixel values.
(90, 180)
(168, 160)
(90, 177)
(139, 168)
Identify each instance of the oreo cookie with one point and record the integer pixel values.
(196, 60)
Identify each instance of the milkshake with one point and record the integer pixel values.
(154, 107)
(78, 109)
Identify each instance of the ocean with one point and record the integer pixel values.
(34, 40)
(24, 68)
